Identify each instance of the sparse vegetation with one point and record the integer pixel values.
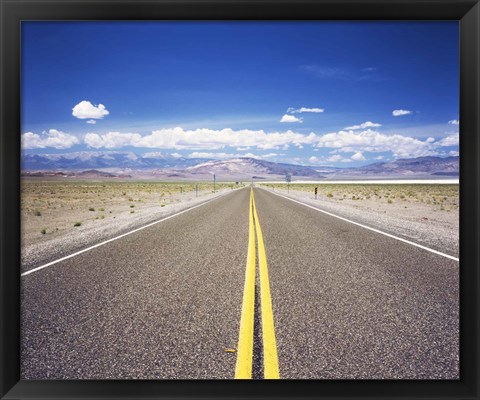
(61, 203)
(441, 197)
(43, 231)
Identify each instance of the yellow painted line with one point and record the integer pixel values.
(243, 369)
(270, 356)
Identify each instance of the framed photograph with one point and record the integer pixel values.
(236, 199)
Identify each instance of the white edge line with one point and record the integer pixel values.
(369, 228)
(117, 237)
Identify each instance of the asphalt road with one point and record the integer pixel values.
(166, 301)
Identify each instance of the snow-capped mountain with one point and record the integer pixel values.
(109, 159)
(168, 166)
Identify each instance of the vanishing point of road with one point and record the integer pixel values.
(248, 285)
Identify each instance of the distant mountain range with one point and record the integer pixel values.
(165, 166)
(107, 159)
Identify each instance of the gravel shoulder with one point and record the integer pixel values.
(418, 222)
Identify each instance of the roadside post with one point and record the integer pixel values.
(316, 190)
(213, 183)
(196, 190)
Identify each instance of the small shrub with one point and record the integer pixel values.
(133, 205)
(162, 205)
(329, 195)
(91, 209)
(77, 224)
(43, 231)
(390, 201)
(37, 213)
(101, 209)
(131, 212)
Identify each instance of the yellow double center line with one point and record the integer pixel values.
(243, 369)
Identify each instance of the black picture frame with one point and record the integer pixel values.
(14, 11)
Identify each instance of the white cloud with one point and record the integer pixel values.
(290, 118)
(367, 124)
(91, 121)
(52, 138)
(222, 156)
(373, 141)
(454, 122)
(379, 158)
(113, 140)
(332, 159)
(200, 139)
(454, 153)
(300, 110)
(452, 140)
(219, 156)
(85, 110)
(209, 140)
(397, 113)
(358, 156)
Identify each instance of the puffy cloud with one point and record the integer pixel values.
(219, 156)
(367, 124)
(222, 156)
(199, 139)
(397, 113)
(300, 110)
(52, 138)
(454, 122)
(332, 159)
(358, 156)
(373, 141)
(452, 140)
(85, 110)
(454, 153)
(291, 118)
(209, 141)
(113, 140)
(91, 121)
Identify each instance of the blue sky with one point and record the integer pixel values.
(314, 93)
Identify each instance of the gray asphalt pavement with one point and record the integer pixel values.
(165, 302)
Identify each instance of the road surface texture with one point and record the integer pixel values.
(166, 301)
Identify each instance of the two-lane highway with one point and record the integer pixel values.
(167, 301)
